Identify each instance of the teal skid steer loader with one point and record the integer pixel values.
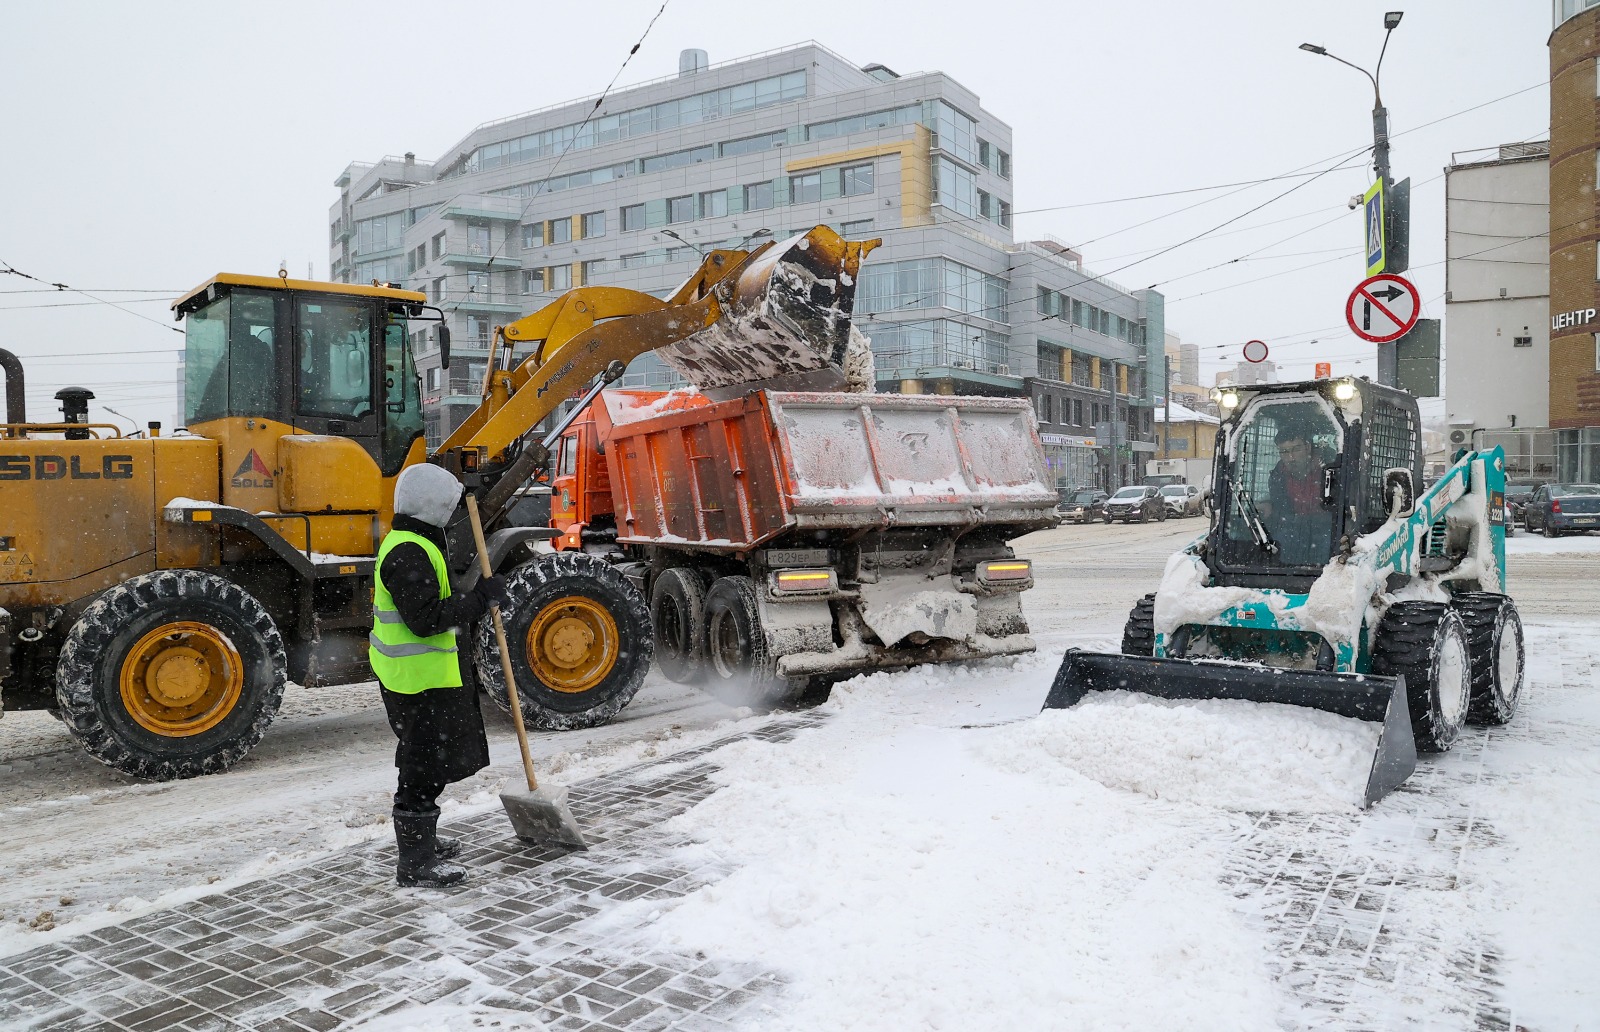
(1328, 578)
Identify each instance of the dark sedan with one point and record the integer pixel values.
(1557, 509)
(1082, 506)
(1136, 503)
(1518, 492)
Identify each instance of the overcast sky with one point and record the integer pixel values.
(148, 146)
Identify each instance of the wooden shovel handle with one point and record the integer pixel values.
(500, 639)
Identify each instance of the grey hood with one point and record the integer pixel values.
(428, 493)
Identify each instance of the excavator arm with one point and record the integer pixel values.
(778, 315)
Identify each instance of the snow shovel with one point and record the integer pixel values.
(1371, 697)
(539, 814)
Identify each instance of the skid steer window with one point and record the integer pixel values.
(1276, 513)
(334, 359)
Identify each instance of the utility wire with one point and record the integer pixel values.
(10, 270)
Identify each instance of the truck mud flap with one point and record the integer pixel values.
(1380, 700)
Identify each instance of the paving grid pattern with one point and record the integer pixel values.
(335, 943)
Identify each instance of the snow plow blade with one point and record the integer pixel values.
(785, 320)
(1381, 700)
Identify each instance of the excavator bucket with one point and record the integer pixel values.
(785, 320)
(1381, 700)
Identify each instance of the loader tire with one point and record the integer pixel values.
(1495, 648)
(1139, 633)
(1426, 643)
(739, 669)
(579, 636)
(171, 675)
(678, 624)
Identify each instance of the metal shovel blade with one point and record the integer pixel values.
(1381, 700)
(542, 816)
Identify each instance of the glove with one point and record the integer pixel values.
(492, 590)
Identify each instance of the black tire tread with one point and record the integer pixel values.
(77, 671)
(634, 659)
(690, 669)
(1139, 633)
(762, 689)
(1403, 645)
(1480, 612)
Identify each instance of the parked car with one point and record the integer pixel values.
(1136, 503)
(1183, 500)
(1557, 509)
(1518, 492)
(1082, 506)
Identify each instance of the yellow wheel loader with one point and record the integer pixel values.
(1325, 581)
(157, 592)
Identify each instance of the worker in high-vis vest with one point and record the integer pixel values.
(419, 650)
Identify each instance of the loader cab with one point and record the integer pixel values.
(1299, 476)
(279, 356)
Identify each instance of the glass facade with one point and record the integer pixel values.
(906, 348)
(955, 187)
(956, 133)
(670, 114)
(930, 283)
(860, 123)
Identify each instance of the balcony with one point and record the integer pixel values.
(478, 206)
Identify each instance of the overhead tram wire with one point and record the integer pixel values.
(539, 189)
(11, 270)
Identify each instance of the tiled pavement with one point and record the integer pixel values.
(335, 943)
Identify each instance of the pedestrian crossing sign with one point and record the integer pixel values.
(1372, 205)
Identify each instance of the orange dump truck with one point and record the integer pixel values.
(787, 540)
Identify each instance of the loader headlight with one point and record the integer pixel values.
(1004, 571)
(1344, 390)
(804, 582)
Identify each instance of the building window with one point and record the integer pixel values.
(532, 281)
(533, 235)
(858, 228)
(1077, 412)
(477, 239)
(477, 330)
(805, 188)
(857, 180)
(438, 244)
(713, 204)
(956, 188)
(478, 285)
(561, 230)
(558, 277)
(438, 290)
(592, 268)
(632, 218)
(1597, 352)
(758, 196)
(594, 225)
(680, 209)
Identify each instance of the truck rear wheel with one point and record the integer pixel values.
(678, 624)
(579, 637)
(1495, 648)
(739, 670)
(171, 675)
(1427, 644)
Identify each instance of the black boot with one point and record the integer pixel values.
(445, 848)
(418, 862)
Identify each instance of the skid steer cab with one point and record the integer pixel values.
(1329, 579)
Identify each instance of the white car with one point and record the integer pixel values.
(1183, 500)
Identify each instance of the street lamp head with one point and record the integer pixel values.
(1392, 18)
(1312, 48)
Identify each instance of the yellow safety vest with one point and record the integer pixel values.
(405, 662)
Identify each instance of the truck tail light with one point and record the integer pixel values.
(1005, 571)
(804, 582)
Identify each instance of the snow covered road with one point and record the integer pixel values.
(932, 854)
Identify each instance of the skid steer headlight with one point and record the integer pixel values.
(1344, 390)
(1005, 571)
(804, 582)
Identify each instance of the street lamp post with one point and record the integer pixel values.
(1395, 230)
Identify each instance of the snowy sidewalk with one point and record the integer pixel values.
(336, 943)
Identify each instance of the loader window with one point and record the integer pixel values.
(230, 361)
(334, 358)
(402, 401)
(1278, 456)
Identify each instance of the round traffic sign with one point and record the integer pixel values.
(1383, 308)
(1255, 351)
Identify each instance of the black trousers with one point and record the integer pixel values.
(418, 795)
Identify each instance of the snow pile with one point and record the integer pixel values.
(1225, 753)
(898, 877)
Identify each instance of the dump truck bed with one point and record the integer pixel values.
(733, 475)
